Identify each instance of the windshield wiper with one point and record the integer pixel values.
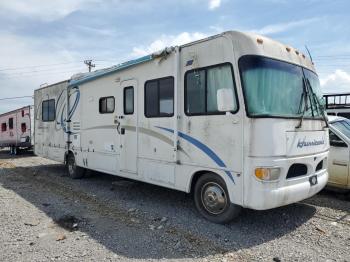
(303, 99)
(319, 107)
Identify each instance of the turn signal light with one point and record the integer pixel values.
(268, 174)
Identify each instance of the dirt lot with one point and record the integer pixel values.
(46, 216)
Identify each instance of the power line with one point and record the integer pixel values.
(15, 97)
(73, 67)
(34, 66)
(48, 65)
(332, 56)
(44, 74)
(39, 71)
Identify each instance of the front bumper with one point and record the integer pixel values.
(266, 195)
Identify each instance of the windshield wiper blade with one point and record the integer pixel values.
(304, 97)
(319, 107)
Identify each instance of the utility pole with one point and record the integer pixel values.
(89, 64)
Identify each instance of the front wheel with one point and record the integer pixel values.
(73, 170)
(212, 200)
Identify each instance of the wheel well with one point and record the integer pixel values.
(197, 175)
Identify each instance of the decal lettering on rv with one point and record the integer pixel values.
(305, 143)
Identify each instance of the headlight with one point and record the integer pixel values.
(267, 174)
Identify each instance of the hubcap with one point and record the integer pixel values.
(214, 198)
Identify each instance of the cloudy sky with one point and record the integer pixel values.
(47, 41)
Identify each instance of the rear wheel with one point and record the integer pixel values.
(212, 199)
(74, 171)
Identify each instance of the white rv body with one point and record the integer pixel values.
(174, 151)
(50, 138)
(16, 128)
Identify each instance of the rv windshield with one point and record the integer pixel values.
(274, 88)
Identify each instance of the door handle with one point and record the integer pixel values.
(122, 131)
(339, 163)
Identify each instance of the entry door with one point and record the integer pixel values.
(338, 160)
(128, 130)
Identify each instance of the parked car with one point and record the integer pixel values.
(339, 154)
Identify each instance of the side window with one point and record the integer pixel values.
(48, 110)
(3, 127)
(159, 97)
(128, 100)
(335, 140)
(201, 86)
(346, 115)
(11, 123)
(195, 92)
(106, 105)
(24, 127)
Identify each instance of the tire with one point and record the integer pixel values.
(74, 171)
(213, 201)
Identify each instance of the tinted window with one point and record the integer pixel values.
(10, 123)
(195, 92)
(159, 97)
(201, 89)
(128, 100)
(106, 105)
(343, 126)
(335, 140)
(24, 127)
(274, 88)
(346, 115)
(166, 97)
(48, 110)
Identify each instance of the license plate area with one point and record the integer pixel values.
(313, 180)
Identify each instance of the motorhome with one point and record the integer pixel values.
(338, 104)
(17, 129)
(236, 119)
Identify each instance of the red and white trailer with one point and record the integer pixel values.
(16, 129)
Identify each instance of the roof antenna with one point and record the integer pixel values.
(308, 51)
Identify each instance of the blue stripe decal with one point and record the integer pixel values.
(210, 153)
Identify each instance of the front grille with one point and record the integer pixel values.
(296, 170)
(319, 166)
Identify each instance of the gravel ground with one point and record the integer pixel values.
(46, 216)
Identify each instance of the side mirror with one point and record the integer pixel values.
(225, 100)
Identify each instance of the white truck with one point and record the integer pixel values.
(339, 153)
(235, 118)
(17, 129)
